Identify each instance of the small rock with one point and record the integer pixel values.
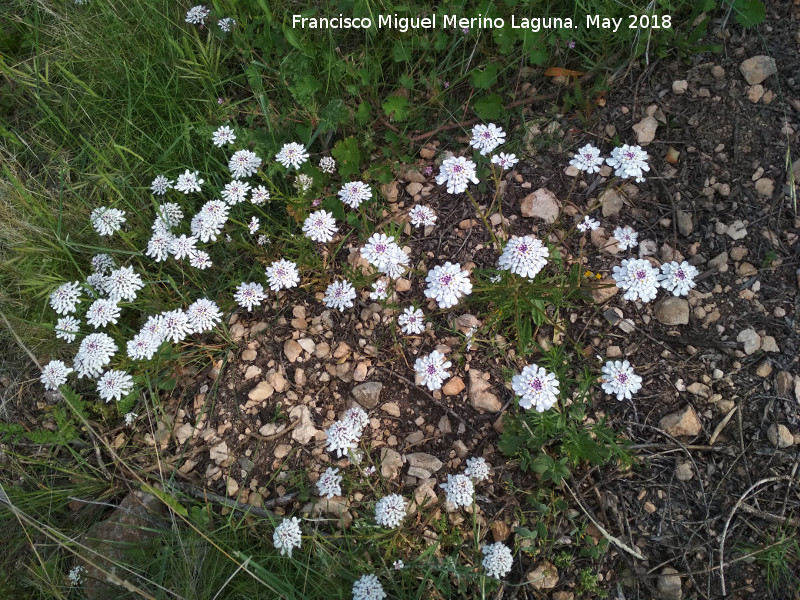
(680, 86)
(604, 290)
(783, 384)
(685, 225)
(649, 507)
(765, 187)
(391, 463)
(461, 449)
(402, 285)
(261, 392)
(646, 130)
(717, 72)
(292, 350)
(422, 465)
(414, 188)
(746, 270)
(611, 201)
(719, 262)
(562, 596)
(755, 93)
(282, 450)
(480, 397)
(768, 344)
(780, 436)
(681, 423)
(544, 576)
(304, 431)
(249, 355)
(368, 394)
(391, 409)
(756, 69)
(453, 387)
(444, 425)
(684, 471)
(750, 339)
(669, 584)
(764, 369)
(699, 389)
(672, 311)
(736, 230)
(360, 372)
(541, 204)
(232, 487)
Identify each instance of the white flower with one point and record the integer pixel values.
(189, 182)
(203, 315)
(390, 510)
(287, 536)
(629, 161)
(96, 281)
(327, 164)
(495, 278)
(536, 387)
(226, 24)
(197, 15)
(368, 587)
(75, 575)
(447, 284)
(587, 159)
(487, 137)
(282, 274)
(107, 220)
(223, 135)
(620, 379)
(183, 247)
(244, 163)
(259, 195)
(249, 295)
(303, 182)
(168, 215)
(253, 225)
(626, 237)
(677, 278)
(422, 216)
(412, 321)
(638, 278)
(379, 290)
(398, 564)
(130, 418)
(292, 155)
(208, 223)
(588, 224)
(340, 295)
(160, 185)
(158, 246)
(94, 353)
(114, 385)
(200, 259)
(320, 226)
(262, 240)
(459, 490)
(176, 325)
(505, 161)
(378, 250)
(102, 263)
(143, 346)
(67, 328)
(469, 336)
(66, 297)
(524, 256)
(477, 469)
(123, 284)
(329, 483)
(54, 374)
(354, 193)
(154, 327)
(341, 437)
(457, 172)
(357, 417)
(397, 262)
(235, 192)
(497, 559)
(102, 312)
(432, 370)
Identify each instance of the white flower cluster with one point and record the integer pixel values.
(525, 256)
(431, 370)
(189, 182)
(329, 483)
(620, 379)
(368, 587)
(320, 226)
(638, 278)
(339, 295)
(486, 138)
(354, 193)
(223, 135)
(390, 510)
(422, 216)
(536, 387)
(287, 536)
(497, 559)
(628, 161)
(249, 295)
(459, 490)
(477, 468)
(107, 221)
(384, 254)
(244, 163)
(54, 374)
(411, 321)
(457, 173)
(113, 385)
(282, 274)
(344, 435)
(292, 155)
(447, 284)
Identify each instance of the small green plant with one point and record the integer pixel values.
(779, 559)
(589, 585)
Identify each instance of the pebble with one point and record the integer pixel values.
(368, 394)
(685, 224)
(544, 576)
(646, 130)
(282, 450)
(768, 344)
(758, 68)
(669, 584)
(764, 369)
(391, 409)
(784, 383)
(261, 392)
(680, 86)
(480, 396)
(541, 204)
(681, 423)
(249, 355)
(612, 202)
(780, 436)
(672, 311)
(684, 471)
(750, 339)
(736, 230)
(422, 465)
(391, 463)
(453, 387)
(765, 187)
(292, 350)
(719, 262)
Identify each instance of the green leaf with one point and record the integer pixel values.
(401, 52)
(334, 206)
(489, 107)
(291, 36)
(749, 13)
(483, 79)
(166, 499)
(362, 114)
(333, 114)
(407, 82)
(396, 107)
(348, 156)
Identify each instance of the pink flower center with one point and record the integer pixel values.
(380, 248)
(640, 275)
(457, 168)
(431, 369)
(523, 248)
(680, 274)
(446, 280)
(536, 385)
(622, 378)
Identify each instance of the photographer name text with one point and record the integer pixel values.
(534, 24)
